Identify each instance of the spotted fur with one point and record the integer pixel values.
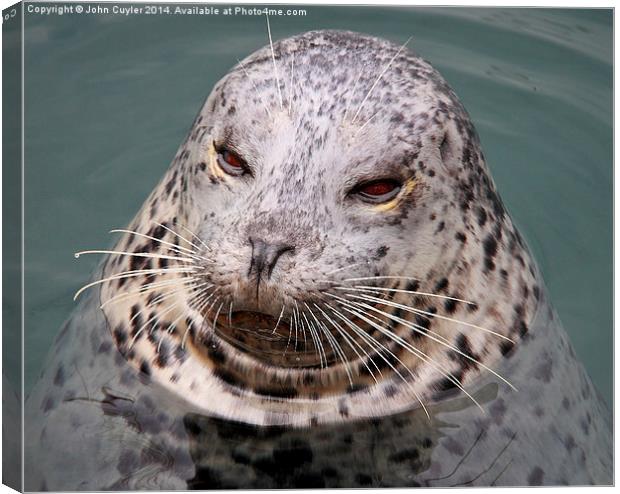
(319, 114)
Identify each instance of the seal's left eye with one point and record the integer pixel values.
(231, 162)
(377, 191)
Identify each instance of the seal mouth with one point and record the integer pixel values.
(274, 341)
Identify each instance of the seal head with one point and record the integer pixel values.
(327, 244)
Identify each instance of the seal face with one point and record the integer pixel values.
(323, 245)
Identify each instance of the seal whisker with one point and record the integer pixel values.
(159, 299)
(368, 288)
(316, 340)
(273, 58)
(352, 92)
(279, 319)
(380, 77)
(132, 274)
(420, 329)
(347, 338)
(407, 346)
(196, 237)
(217, 315)
(290, 335)
(296, 337)
(201, 305)
(157, 318)
(421, 355)
(351, 340)
(426, 313)
(297, 323)
(175, 248)
(169, 295)
(150, 287)
(178, 235)
(378, 347)
(291, 327)
(134, 254)
(442, 341)
(302, 328)
(363, 278)
(369, 119)
(290, 88)
(207, 311)
(173, 325)
(192, 298)
(333, 343)
(345, 267)
(153, 318)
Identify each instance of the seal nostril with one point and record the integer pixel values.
(265, 256)
(282, 250)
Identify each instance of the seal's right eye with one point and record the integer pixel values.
(231, 162)
(377, 191)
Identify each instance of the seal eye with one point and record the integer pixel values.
(378, 191)
(231, 162)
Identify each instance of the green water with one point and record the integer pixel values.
(109, 99)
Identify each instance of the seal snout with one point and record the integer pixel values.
(265, 256)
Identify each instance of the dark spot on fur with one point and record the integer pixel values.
(405, 455)
(215, 352)
(363, 479)
(59, 378)
(482, 216)
(442, 284)
(136, 320)
(356, 388)
(447, 386)
(472, 307)
(412, 286)
(105, 347)
(206, 478)
(48, 404)
(277, 392)
(536, 476)
(145, 368)
(506, 348)
(382, 251)
(422, 321)
(450, 306)
(228, 377)
(120, 336)
(295, 456)
(240, 458)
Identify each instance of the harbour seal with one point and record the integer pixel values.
(324, 289)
